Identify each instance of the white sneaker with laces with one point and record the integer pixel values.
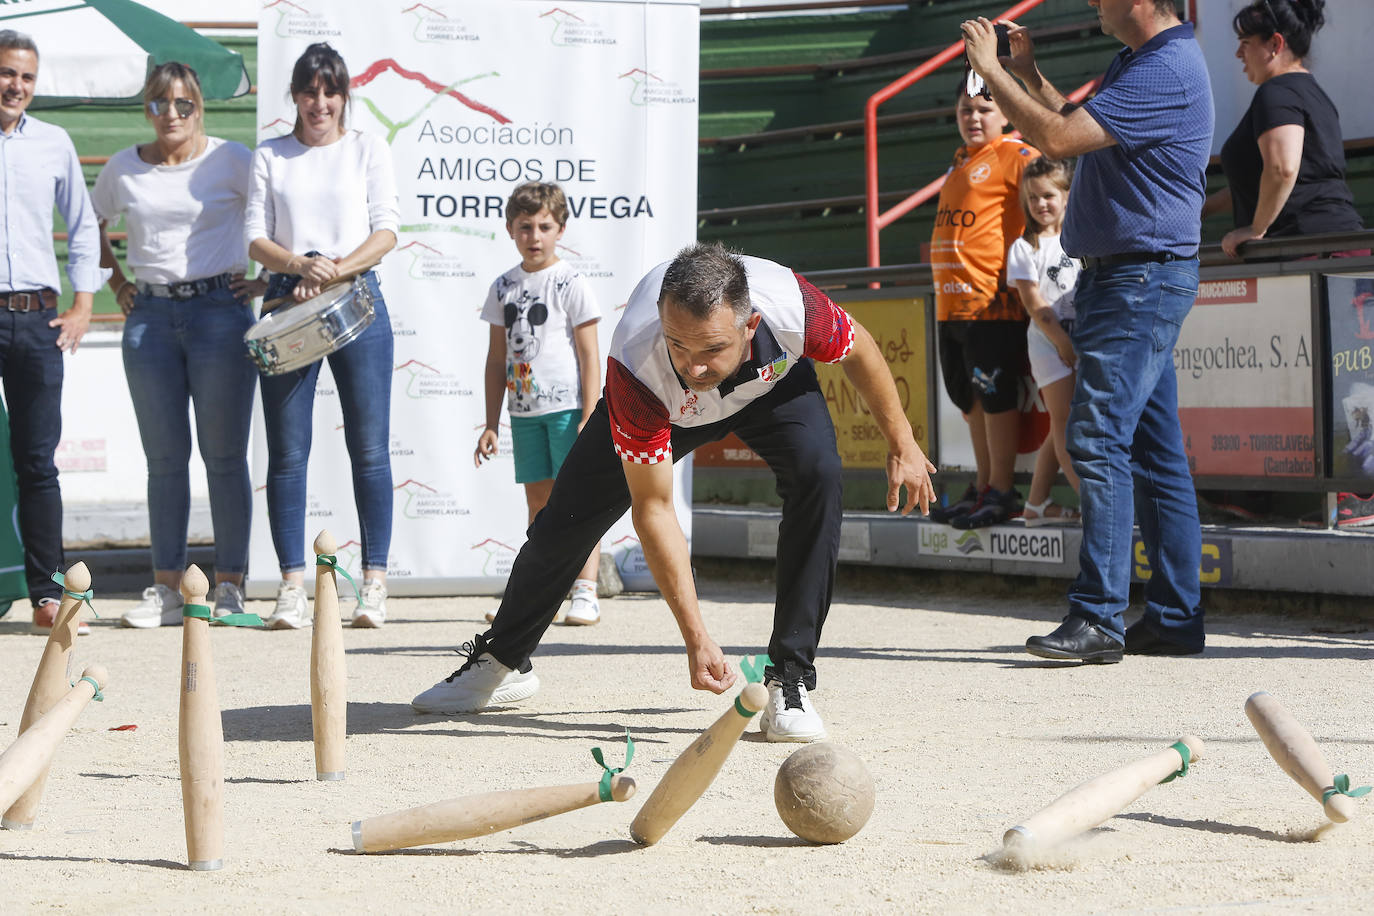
(482, 681)
(160, 607)
(228, 599)
(371, 611)
(789, 715)
(290, 612)
(585, 610)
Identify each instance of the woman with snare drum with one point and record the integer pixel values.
(322, 207)
(182, 198)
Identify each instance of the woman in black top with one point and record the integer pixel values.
(1284, 162)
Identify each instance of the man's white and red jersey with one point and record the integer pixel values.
(646, 396)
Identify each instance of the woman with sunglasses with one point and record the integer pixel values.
(323, 207)
(186, 309)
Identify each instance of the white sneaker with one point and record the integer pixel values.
(228, 599)
(789, 715)
(585, 610)
(160, 607)
(371, 610)
(481, 682)
(290, 612)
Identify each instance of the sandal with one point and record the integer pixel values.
(1036, 516)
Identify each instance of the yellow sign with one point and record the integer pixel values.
(899, 327)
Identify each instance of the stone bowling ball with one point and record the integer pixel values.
(824, 793)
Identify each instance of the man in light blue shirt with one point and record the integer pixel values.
(1134, 217)
(39, 171)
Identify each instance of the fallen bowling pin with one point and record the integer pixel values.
(695, 768)
(28, 758)
(479, 815)
(1297, 754)
(51, 681)
(1095, 801)
(328, 684)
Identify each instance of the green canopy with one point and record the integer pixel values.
(100, 51)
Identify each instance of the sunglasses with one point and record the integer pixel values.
(184, 107)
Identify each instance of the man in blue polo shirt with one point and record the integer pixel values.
(1134, 219)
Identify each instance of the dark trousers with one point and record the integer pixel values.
(789, 428)
(31, 367)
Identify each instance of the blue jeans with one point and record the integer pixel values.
(31, 366)
(1126, 445)
(191, 351)
(362, 371)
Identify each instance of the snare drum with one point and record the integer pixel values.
(294, 336)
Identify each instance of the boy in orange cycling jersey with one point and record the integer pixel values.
(982, 326)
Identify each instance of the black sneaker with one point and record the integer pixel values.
(966, 504)
(1353, 510)
(994, 508)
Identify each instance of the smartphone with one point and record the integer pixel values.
(973, 83)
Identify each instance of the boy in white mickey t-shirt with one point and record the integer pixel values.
(543, 355)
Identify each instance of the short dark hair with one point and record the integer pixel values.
(10, 40)
(704, 278)
(321, 62)
(1296, 20)
(533, 196)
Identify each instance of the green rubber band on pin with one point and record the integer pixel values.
(603, 788)
(330, 560)
(740, 708)
(753, 667)
(1341, 786)
(85, 596)
(203, 612)
(1186, 754)
(99, 697)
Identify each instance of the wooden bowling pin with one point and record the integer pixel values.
(1296, 753)
(695, 768)
(1097, 800)
(328, 690)
(200, 736)
(51, 681)
(29, 757)
(479, 815)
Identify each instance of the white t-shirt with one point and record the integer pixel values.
(1049, 266)
(322, 198)
(539, 311)
(644, 394)
(185, 221)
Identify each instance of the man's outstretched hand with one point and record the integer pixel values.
(710, 670)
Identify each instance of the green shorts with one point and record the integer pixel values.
(541, 443)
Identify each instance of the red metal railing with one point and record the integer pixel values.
(926, 193)
(875, 219)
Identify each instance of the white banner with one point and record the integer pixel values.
(475, 98)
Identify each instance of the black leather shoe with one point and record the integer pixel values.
(1141, 640)
(1076, 639)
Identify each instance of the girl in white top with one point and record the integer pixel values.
(323, 207)
(1045, 277)
(182, 198)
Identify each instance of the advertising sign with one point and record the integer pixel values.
(1244, 368)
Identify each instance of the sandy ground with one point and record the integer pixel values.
(964, 734)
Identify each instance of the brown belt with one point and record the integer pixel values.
(29, 300)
